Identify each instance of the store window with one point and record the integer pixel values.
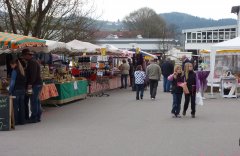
(188, 35)
(194, 36)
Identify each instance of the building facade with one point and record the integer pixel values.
(146, 44)
(203, 38)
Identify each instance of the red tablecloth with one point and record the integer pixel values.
(48, 91)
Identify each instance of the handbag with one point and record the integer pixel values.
(199, 99)
(184, 86)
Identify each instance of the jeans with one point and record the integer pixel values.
(26, 101)
(166, 84)
(35, 103)
(124, 78)
(153, 87)
(193, 103)
(177, 98)
(139, 89)
(19, 107)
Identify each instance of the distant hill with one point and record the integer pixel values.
(186, 21)
(180, 20)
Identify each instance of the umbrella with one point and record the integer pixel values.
(15, 41)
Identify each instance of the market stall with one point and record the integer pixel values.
(10, 44)
(60, 86)
(98, 65)
(224, 58)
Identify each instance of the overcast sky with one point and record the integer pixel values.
(113, 10)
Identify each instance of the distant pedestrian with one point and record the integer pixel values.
(177, 91)
(140, 77)
(167, 69)
(131, 72)
(184, 60)
(190, 78)
(153, 73)
(124, 67)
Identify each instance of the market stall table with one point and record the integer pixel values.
(69, 91)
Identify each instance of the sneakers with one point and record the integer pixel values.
(193, 115)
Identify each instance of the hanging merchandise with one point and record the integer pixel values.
(103, 51)
(138, 50)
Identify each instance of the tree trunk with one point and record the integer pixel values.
(11, 17)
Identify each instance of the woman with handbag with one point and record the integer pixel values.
(177, 90)
(191, 79)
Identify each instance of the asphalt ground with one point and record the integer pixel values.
(119, 125)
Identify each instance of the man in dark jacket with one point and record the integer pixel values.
(34, 84)
(167, 69)
(184, 61)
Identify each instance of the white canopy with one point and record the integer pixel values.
(111, 48)
(79, 46)
(230, 45)
(145, 54)
(55, 46)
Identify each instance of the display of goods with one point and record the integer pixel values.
(85, 65)
(84, 59)
(86, 73)
(94, 59)
(101, 65)
(45, 72)
(102, 58)
(93, 65)
(62, 70)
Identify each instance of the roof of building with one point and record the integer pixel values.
(209, 28)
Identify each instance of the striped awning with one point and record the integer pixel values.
(16, 41)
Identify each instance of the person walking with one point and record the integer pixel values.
(18, 89)
(193, 86)
(34, 85)
(153, 74)
(184, 61)
(167, 69)
(140, 77)
(131, 72)
(124, 73)
(177, 90)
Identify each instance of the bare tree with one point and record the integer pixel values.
(147, 21)
(45, 18)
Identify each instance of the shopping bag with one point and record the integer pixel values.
(199, 99)
(184, 86)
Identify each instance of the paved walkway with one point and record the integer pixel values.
(121, 126)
